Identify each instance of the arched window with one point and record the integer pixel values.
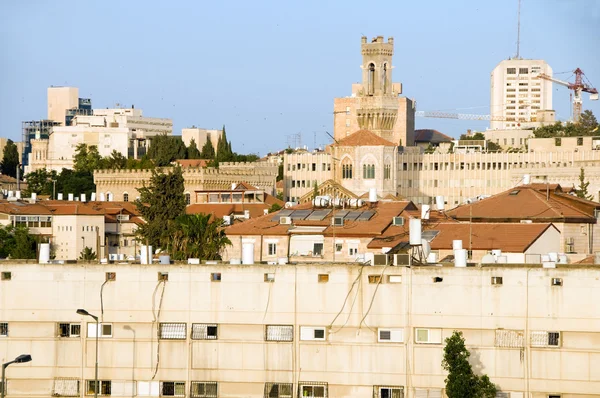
(384, 78)
(347, 168)
(125, 197)
(188, 198)
(387, 172)
(371, 79)
(368, 171)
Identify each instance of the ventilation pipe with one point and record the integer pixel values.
(439, 202)
(460, 258)
(414, 231)
(526, 179)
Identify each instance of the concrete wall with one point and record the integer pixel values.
(350, 359)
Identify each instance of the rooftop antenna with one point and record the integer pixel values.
(519, 30)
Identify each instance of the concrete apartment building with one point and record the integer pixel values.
(376, 104)
(201, 136)
(517, 94)
(218, 331)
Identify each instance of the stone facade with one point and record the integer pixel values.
(114, 184)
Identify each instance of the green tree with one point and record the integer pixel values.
(224, 153)
(145, 163)
(582, 191)
(87, 159)
(7, 241)
(116, 160)
(87, 254)
(160, 203)
(40, 182)
(192, 150)
(17, 243)
(75, 182)
(208, 151)
(274, 207)
(199, 236)
(164, 149)
(589, 123)
(479, 136)
(461, 382)
(280, 173)
(10, 159)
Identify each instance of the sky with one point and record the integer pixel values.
(269, 70)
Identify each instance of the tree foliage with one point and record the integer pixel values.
(587, 126)
(160, 203)
(10, 159)
(164, 149)
(116, 160)
(479, 136)
(582, 191)
(208, 151)
(68, 181)
(192, 150)
(87, 254)
(461, 382)
(199, 236)
(17, 243)
(87, 159)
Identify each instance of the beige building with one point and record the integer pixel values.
(375, 104)
(511, 139)
(517, 94)
(61, 99)
(302, 170)
(4, 141)
(117, 185)
(201, 136)
(218, 331)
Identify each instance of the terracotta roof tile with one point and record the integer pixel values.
(430, 135)
(364, 138)
(22, 208)
(192, 162)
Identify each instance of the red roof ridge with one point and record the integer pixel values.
(364, 138)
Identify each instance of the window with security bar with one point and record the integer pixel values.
(3, 329)
(388, 392)
(279, 333)
(509, 338)
(69, 330)
(204, 389)
(172, 331)
(278, 390)
(312, 389)
(172, 389)
(545, 339)
(104, 387)
(65, 387)
(204, 331)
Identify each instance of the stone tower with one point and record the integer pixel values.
(375, 103)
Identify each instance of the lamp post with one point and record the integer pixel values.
(84, 312)
(20, 359)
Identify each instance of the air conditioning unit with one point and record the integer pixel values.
(398, 221)
(337, 221)
(285, 220)
(401, 259)
(526, 221)
(111, 276)
(381, 259)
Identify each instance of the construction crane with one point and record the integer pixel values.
(578, 87)
(466, 116)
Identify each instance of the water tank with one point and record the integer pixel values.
(102, 197)
(18, 194)
(426, 247)
(247, 253)
(425, 212)
(59, 196)
(11, 194)
(563, 259)
(460, 258)
(527, 179)
(456, 244)
(83, 198)
(233, 184)
(496, 252)
(44, 253)
(93, 198)
(414, 230)
(439, 202)
(34, 196)
(553, 257)
(246, 214)
(164, 259)
(70, 197)
(146, 254)
(432, 258)
(373, 195)
(109, 197)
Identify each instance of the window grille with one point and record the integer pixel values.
(509, 338)
(278, 390)
(104, 387)
(545, 339)
(312, 389)
(388, 392)
(172, 389)
(65, 387)
(69, 330)
(204, 389)
(4, 329)
(279, 333)
(173, 331)
(204, 331)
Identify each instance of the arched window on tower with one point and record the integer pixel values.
(347, 169)
(385, 85)
(371, 79)
(368, 171)
(188, 198)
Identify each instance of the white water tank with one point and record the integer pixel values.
(432, 258)
(426, 247)
(83, 198)
(34, 196)
(102, 197)
(460, 258)
(70, 197)
(414, 231)
(425, 212)
(93, 198)
(457, 244)
(373, 195)
(227, 220)
(247, 214)
(527, 179)
(233, 184)
(109, 197)
(44, 253)
(18, 194)
(164, 259)
(247, 253)
(11, 194)
(146, 254)
(59, 196)
(553, 257)
(439, 202)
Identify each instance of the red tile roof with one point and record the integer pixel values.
(508, 237)
(192, 162)
(364, 138)
(23, 208)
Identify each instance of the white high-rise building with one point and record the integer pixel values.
(517, 95)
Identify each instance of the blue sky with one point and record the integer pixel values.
(269, 69)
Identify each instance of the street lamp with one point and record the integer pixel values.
(84, 312)
(20, 359)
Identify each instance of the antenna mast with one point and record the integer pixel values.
(519, 29)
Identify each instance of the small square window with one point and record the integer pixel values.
(3, 329)
(204, 389)
(338, 247)
(394, 278)
(215, 277)
(279, 333)
(272, 249)
(438, 279)
(105, 329)
(172, 389)
(269, 277)
(111, 276)
(278, 390)
(557, 282)
(323, 278)
(496, 280)
(172, 331)
(104, 387)
(69, 330)
(6, 276)
(163, 276)
(204, 331)
(374, 278)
